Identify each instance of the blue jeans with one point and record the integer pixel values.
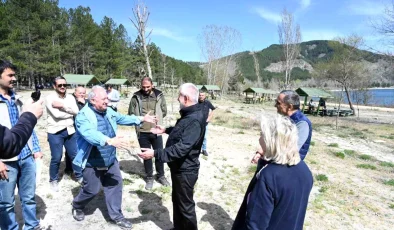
(204, 143)
(23, 174)
(56, 142)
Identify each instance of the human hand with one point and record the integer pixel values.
(149, 118)
(38, 155)
(256, 158)
(33, 107)
(81, 99)
(3, 171)
(146, 153)
(118, 142)
(158, 129)
(57, 104)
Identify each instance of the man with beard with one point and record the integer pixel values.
(20, 170)
(144, 101)
(97, 142)
(181, 153)
(61, 109)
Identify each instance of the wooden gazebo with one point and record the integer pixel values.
(312, 92)
(253, 95)
(81, 80)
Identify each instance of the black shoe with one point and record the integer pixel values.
(123, 223)
(163, 180)
(149, 183)
(205, 153)
(78, 214)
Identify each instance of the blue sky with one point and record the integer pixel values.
(176, 24)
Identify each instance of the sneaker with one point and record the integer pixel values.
(149, 183)
(78, 214)
(163, 180)
(123, 223)
(54, 186)
(205, 153)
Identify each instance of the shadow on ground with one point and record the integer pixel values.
(152, 209)
(216, 216)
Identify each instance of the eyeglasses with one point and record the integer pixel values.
(62, 85)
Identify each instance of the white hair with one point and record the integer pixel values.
(280, 136)
(191, 91)
(94, 90)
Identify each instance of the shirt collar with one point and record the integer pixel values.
(11, 93)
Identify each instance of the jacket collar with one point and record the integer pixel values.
(188, 110)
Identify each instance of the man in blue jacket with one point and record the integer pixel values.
(97, 142)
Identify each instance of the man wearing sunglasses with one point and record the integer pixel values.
(61, 109)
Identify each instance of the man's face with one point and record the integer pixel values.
(281, 107)
(80, 92)
(8, 79)
(100, 101)
(61, 86)
(201, 97)
(146, 87)
(182, 101)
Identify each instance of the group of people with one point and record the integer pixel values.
(276, 198)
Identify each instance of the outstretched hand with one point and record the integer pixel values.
(146, 153)
(158, 129)
(149, 118)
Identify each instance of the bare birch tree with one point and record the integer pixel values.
(140, 22)
(215, 43)
(290, 38)
(256, 67)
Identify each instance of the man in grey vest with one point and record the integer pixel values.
(144, 101)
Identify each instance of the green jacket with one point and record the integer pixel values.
(135, 107)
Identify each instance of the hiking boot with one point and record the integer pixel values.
(54, 186)
(163, 180)
(205, 153)
(123, 223)
(149, 183)
(78, 214)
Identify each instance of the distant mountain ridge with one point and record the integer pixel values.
(269, 60)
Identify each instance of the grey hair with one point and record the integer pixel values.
(280, 136)
(291, 98)
(92, 92)
(190, 90)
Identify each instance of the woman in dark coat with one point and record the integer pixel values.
(277, 196)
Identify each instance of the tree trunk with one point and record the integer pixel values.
(349, 99)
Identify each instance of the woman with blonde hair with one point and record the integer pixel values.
(277, 196)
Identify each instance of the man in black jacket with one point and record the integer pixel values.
(181, 153)
(13, 140)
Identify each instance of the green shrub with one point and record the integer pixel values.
(313, 143)
(333, 145)
(321, 177)
(349, 152)
(366, 166)
(389, 182)
(386, 164)
(323, 189)
(366, 157)
(340, 155)
(252, 169)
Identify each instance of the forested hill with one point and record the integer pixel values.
(269, 60)
(46, 41)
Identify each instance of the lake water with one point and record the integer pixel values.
(380, 97)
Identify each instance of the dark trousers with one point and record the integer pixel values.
(56, 142)
(148, 140)
(184, 211)
(112, 182)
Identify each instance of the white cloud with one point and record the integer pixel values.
(366, 7)
(305, 3)
(268, 15)
(156, 31)
(308, 35)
